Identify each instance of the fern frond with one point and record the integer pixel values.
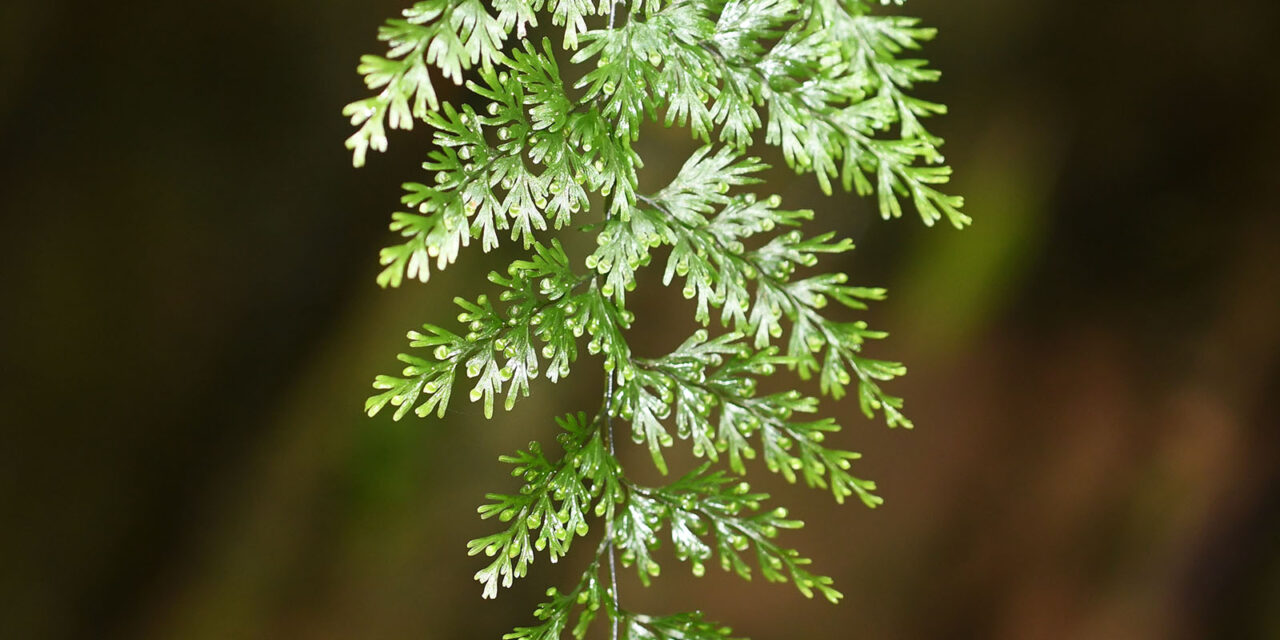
(548, 134)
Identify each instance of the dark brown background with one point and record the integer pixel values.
(190, 323)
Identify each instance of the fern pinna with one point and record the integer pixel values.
(826, 81)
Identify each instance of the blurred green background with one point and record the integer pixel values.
(190, 324)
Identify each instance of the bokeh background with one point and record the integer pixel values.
(189, 325)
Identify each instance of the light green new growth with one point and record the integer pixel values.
(824, 80)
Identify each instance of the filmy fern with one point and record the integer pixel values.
(826, 81)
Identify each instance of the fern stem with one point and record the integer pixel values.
(613, 567)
